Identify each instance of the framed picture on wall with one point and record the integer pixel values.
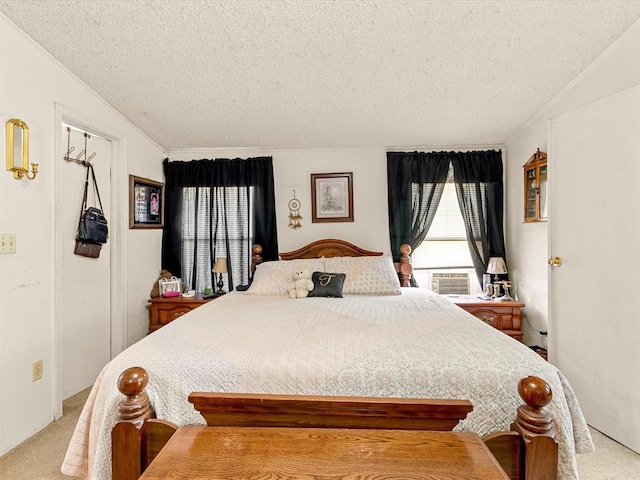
(146, 203)
(331, 197)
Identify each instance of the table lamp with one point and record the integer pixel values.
(220, 267)
(496, 267)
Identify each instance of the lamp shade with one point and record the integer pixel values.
(221, 265)
(496, 266)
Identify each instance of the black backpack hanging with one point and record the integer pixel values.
(92, 226)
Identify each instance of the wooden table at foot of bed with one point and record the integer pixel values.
(303, 453)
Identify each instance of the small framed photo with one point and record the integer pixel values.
(170, 287)
(146, 203)
(331, 197)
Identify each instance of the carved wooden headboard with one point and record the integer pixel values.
(331, 247)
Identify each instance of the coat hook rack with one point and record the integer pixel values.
(82, 161)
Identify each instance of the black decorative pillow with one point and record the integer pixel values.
(327, 284)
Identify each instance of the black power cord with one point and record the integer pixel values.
(542, 351)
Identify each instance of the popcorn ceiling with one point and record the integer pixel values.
(332, 74)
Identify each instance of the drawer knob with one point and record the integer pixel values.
(179, 314)
(488, 320)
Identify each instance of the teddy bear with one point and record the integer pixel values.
(301, 285)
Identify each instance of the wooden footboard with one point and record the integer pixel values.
(527, 452)
(253, 410)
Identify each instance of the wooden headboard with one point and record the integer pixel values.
(329, 247)
(332, 247)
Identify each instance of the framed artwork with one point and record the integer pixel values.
(331, 197)
(146, 203)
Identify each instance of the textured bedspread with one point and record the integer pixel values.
(412, 345)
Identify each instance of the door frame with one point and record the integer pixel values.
(117, 240)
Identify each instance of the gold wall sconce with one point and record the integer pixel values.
(18, 150)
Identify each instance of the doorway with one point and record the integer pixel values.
(70, 344)
(85, 293)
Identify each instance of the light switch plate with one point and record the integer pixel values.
(7, 243)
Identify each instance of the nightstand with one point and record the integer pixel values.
(503, 315)
(167, 309)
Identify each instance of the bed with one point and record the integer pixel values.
(379, 339)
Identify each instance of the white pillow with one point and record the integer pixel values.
(273, 278)
(366, 275)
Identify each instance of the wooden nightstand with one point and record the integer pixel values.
(503, 315)
(167, 309)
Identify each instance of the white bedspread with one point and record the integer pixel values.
(413, 345)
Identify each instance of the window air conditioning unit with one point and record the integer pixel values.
(451, 283)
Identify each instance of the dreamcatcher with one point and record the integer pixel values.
(294, 213)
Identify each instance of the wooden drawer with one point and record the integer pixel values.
(167, 314)
(504, 316)
(166, 310)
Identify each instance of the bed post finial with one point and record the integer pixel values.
(533, 418)
(256, 259)
(134, 407)
(405, 270)
(534, 424)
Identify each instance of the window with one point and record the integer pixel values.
(443, 259)
(207, 234)
(415, 184)
(217, 208)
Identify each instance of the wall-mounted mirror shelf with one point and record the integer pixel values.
(535, 188)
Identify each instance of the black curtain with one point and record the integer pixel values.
(415, 182)
(479, 185)
(214, 211)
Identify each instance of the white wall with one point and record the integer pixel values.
(616, 69)
(31, 82)
(292, 171)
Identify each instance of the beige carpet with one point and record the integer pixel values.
(40, 457)
(610, 461)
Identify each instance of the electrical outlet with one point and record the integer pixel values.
(7, 243)
(36, 370)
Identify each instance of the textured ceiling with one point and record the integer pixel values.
(303, 74)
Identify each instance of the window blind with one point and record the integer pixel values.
(201, 218)
(445, 245)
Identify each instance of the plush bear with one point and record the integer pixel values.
(301, 285)
(155, 291)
